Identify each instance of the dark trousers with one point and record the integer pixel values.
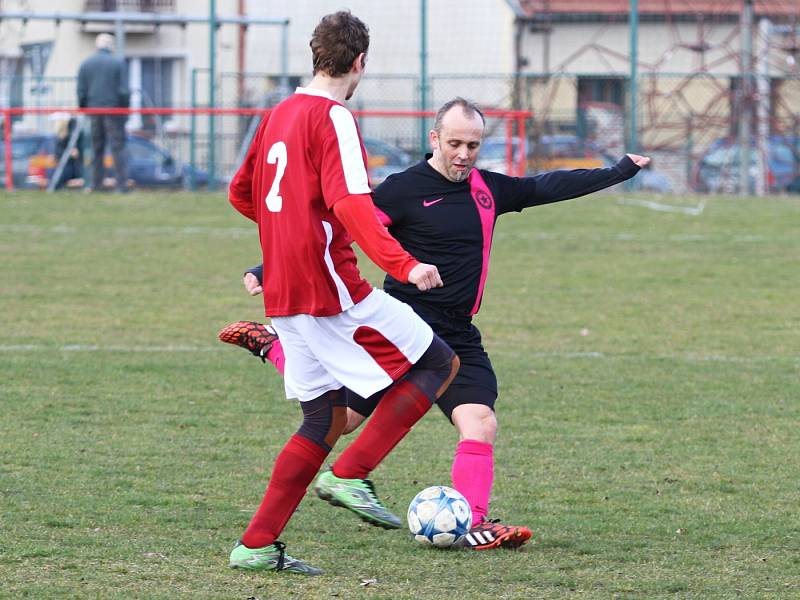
(109, 129)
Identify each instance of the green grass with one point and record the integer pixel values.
(649, 365)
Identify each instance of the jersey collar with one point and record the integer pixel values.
(313, 92)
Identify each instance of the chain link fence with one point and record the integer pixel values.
(688, 123)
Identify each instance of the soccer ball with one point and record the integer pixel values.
(439, 516)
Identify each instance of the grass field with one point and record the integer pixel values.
(649, 365)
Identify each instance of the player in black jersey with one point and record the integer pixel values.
(443, 211)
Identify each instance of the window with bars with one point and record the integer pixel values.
(129, 6)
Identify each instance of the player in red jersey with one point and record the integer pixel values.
(445, 211)
(304, 182)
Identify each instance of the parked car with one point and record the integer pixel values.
(23, 147)
(384, 159)
(549, 153)
(649, 180)
(149, 165)
(562, 151)
(493, 154)
(794, 186)
(717, 170)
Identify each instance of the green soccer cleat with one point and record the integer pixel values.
(357, 495)
(269, 558)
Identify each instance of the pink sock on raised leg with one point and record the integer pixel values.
(473, 475)
(276, 356)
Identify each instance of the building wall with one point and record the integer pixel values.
(605, 47)
(473, 38)
(467, 38)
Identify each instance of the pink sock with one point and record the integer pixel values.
(473, 474)
(276, 356)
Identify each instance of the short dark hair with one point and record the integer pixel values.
(467, 106)
(336, 42)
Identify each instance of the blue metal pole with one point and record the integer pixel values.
(212, 102)
(633, 90)
(193, 133)
(633, 141)
(423, 73)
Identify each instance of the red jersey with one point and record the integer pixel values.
(306, 156)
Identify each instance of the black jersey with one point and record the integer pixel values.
(450, 224)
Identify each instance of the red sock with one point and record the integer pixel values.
(402, 406)
(473, 474)
(294, 469)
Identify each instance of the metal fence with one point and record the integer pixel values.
(32, 159)
(683, 119)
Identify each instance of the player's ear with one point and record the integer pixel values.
(360, 63)
(433, 138)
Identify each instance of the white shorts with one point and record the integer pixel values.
(364, 348)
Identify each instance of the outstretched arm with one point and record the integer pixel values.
(639, 161)
(556, 186)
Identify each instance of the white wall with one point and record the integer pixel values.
(472, 36)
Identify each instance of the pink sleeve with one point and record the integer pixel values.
(384, 219)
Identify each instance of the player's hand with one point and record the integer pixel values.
(251, 284)
(425, 277)
(639, 161)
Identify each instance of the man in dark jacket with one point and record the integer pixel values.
(103, 83)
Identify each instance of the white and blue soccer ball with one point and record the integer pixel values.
(439, 516)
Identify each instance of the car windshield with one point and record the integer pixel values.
(23, 147)
(142, 150)
(560, 146)
(393, 155)
(729, 155)
(721, 156)
(496, 149)
(781, 154)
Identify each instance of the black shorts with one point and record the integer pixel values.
(475, 382)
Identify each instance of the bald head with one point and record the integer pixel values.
(469, 108)
(104, 41)
(456, 139)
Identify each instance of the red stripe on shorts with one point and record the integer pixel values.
(383, 352)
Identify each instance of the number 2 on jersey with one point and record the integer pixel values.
(276, 155)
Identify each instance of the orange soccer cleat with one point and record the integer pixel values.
(252, 336)
(493, 534)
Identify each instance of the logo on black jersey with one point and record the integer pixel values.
(427, 203)
(483, 199)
